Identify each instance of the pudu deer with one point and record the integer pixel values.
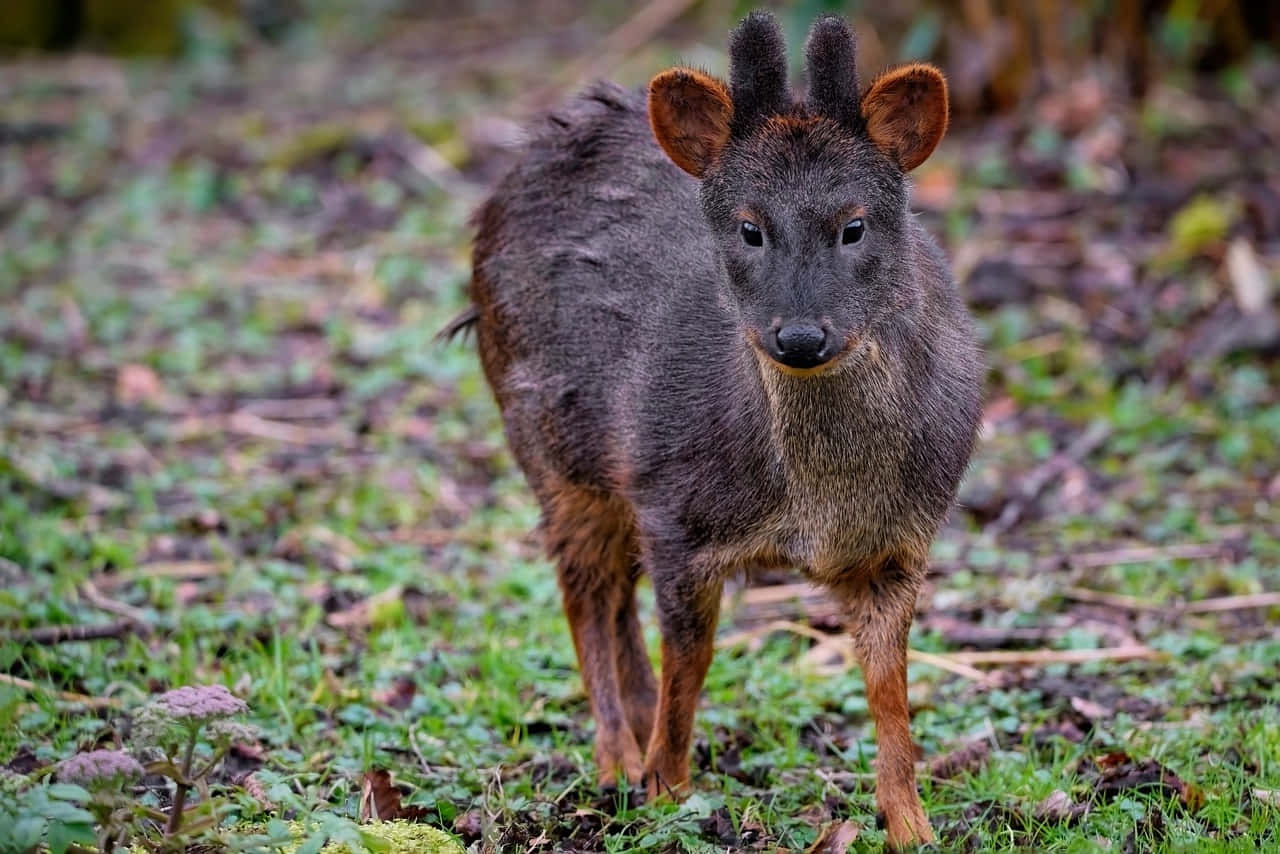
(719, 340)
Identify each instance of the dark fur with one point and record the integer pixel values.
(616, 307)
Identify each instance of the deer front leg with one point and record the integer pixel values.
(881, 607)
(688, 606)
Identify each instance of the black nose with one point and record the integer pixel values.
(801, 345)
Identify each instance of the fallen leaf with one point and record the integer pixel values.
(966, 759)
(1249, 281)
(138, 384)
(836, 839)
(380, 800)
(1059, 807)
(469, 824)
(1091, 710)
(256, 790)
(1117, 773)
(399, 695)
(1270, 797)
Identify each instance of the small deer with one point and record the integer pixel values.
(733, 348)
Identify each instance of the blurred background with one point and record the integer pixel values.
(230, 230)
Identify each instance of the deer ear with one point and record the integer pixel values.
(906, 113)
(690, 113)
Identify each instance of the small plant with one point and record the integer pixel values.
(173, 723)
(104, 774)
(49, 814)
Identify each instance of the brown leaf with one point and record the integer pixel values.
(138, 384)
(380, 800)
(1091, 710)
(966, 759)
(1249, 281)
(258, 792)
(836, 839)
(1059, 807)
(1120, 773)
(469, 825)
(399, 695)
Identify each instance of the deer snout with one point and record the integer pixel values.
(800, 344)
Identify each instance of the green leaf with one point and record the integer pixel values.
(68, 792)
(376, 844)
(62, 835)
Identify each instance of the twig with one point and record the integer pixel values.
(780, 593)
(759, 632)
(1043, 475)
(293, 408)
(1146, 554)
(65, 696)
(1055, 656)
(1202, 606)
(1114, 600)
(943, 662)
(1233, 603)
(631, 35)
(247, 424)
(177, 570)
(102, 602)
(432, 165)
(52, 635)
(842, 645)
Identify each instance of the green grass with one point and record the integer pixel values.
(186, 249)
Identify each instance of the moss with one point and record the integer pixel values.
(405, 838)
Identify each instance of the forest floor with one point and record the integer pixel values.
(231, 444)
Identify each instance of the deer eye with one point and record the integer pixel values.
(751, 234)
(853, 231)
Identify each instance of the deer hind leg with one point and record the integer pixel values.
(881, 607)
(636, 681)
(592, 538)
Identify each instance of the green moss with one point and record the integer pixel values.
(404, 838)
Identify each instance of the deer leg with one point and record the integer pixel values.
(688, 606)
(636, 682)
(881, 607)
(593, 542)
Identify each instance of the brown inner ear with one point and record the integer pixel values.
(906, 113)
(690, 114)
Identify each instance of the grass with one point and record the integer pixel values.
(197, 243)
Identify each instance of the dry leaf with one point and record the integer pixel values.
(1270, 797)
(1090, 709)
(967, 759)
(253, 786)
(380, 800)
(1119, 773)
(1249, 280)
(138, 384)
(469, 824)
(399, 695)
(1059, 807)
(836, 839)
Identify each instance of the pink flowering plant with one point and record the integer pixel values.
(178, 724)
(105, 774)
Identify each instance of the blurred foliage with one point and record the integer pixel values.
(997, 52)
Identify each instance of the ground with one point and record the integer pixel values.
(231, 445)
